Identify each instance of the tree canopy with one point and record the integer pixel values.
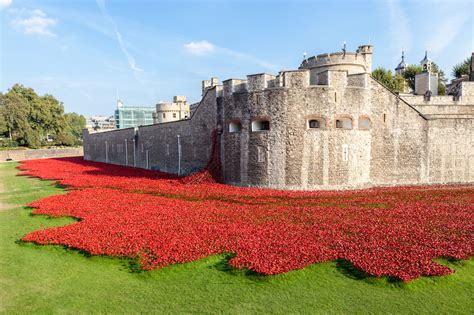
(31, 120)
(393, 81)
(462, 68)
(412, 70)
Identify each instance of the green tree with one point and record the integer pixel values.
(412, 70)
(442, 80)
(462, 68)
(392, 81)
(28, 119)
(409, 74)
(3, 120)
(72, 133)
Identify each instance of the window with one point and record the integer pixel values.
(316, 123)
(344, 123)
(260, 125)
(313, 124)
(164, 115)
(345, 152)
(364, 123)
(235, 127)
(174, 115)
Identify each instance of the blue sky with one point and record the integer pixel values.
(86, 52)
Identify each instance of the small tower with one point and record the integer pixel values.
(426, 83)
(426, 63)
(402, 65)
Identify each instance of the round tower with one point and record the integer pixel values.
(177, 110)
(352, 62)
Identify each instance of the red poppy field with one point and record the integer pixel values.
(162, 220)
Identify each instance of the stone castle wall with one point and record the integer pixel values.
(393, 139)
(30, 154)
(156, 146)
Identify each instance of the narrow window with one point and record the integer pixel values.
(164, 115)
(384, 117)
(344, 123)
(345, 152)
(235, 127)
(260, 125)
(364, 123)
(174, 115)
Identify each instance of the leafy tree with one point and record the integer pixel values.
(412, 70)
(409, 74)
(15, 115)
(392, 81)
(28, 119)
(3, 121)
(441, 79)
(72, 134)
(462, 68)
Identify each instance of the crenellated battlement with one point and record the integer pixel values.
(260, 81)
(234, 86)
(326, 125)
(353, 62)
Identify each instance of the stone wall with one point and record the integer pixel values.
(292, 156)
(156, 146)
(19, 155)
(367, 135)
(450, 149)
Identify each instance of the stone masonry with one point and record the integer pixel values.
(326, 125)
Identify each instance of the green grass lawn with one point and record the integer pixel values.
(52, 279)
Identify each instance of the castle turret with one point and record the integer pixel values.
(402, 65)
(353, 62)
(207, 84)
(426, 83)
(177, 110)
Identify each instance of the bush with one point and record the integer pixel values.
(8, 143)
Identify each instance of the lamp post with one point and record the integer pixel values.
(134, 155)
(126, 153)
(147, 160)
(106, 152)
(179, 155)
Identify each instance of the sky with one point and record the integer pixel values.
(89, 53)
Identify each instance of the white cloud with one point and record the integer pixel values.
(446, 31)
(33, 22)
(5, 3)
(200, 48)
(118, 36)
(204, 48)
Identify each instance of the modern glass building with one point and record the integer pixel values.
(127, 117)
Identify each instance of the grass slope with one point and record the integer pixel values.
(51, 279)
